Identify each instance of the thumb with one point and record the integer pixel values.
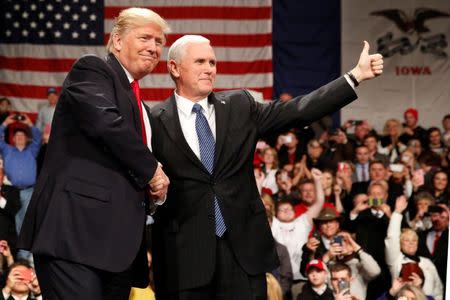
(366, 48)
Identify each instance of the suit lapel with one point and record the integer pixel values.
(115, 65)
(222, 110)
(171, 121)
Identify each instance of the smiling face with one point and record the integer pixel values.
(139, 49)
(195, 74)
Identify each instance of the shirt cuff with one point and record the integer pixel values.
(349, 81)
(161, 202)
(2, 202)
(353, 216)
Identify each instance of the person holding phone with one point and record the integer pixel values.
(21, 283)
(341, 280)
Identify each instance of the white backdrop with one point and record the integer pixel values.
(416, 64)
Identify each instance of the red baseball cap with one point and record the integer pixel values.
(316, 263)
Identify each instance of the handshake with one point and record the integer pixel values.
(159, 184)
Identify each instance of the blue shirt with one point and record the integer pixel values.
(20, 166)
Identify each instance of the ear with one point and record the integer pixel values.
(173, 68)
(117, 42)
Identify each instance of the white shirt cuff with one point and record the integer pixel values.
(349, 81)
(2, 202)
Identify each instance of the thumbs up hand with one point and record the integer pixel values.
(369, 66)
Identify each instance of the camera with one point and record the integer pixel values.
(435, 209)
(375, 201)
(355, 122)
(19, 117)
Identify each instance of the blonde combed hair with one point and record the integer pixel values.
(134, 17)
(274, 291)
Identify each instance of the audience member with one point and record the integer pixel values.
(21, 283)
(446, 133)
(421, 219)
(20, 165)
(269, 168)
(371, 141)
(293, 231)
(361, 164)
(9, 206)
(402, 258)
(341, 281)
(316, 288)
(433, 243)
(411, 127)
(390, 142)
(291, 151)
(5, 108)
(45, 115)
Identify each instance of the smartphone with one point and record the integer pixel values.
(374, 201)
(284, 176)
(287, 139)
(342, 166)
(316, 235)
(397, 168)
(337, 239)
(343, 285)
(26, 274)
(356, 122)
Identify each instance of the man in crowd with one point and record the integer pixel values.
(361, 173)
(45, 115)
(85, 223)
(316, 287)
(411, 128)
(20, 164)
(341, 280)
(213, 220)
(371, 142)
(21, 283)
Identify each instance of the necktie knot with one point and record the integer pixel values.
(197, 108)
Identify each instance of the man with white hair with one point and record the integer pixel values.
(85, 222)
(212, 239)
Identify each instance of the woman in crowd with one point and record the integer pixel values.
(401, 248)
(390, 142)
(270, 168)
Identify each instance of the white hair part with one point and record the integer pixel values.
(178, 48)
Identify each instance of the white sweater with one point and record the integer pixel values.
(432, 285)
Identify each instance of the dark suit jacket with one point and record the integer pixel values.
(7, 214)
(440, 254)
(88, 203)
(184, 234)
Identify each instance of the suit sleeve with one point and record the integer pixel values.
(91, 94)
(303, 110)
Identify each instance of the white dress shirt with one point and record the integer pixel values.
(187, 120)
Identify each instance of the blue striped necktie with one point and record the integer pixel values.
(207, 145)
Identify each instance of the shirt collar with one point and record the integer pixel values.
(185, 105)
(320, 290)
(129, 77)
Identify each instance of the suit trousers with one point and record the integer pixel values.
(65, 280)
(230, 281)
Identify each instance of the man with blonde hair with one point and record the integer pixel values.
(85, 223)
(212, 240)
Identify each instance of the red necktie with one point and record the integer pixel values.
(436, 239)
(137, 94)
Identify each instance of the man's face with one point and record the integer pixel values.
(317, 277)
(285, 213)
(196, 73)
(339, 276)
(371, 143)
(5, 106)
(361, 131)
(20, 286)
(52, 99)
(139, 49)
(20, 139)
(362, 155)
(329, 228)
(308, 193)
(410, 120)
(377, 172)
(440, 221)
(446, 124)
(377, 192)
(435, 137)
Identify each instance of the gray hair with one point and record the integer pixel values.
(134, 17)
(178, 48)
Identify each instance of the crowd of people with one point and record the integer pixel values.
(360, 215)
(383, 200)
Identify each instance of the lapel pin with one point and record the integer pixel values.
(223, 102)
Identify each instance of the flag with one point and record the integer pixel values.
(39, 42)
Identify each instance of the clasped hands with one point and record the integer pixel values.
(159, 185)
